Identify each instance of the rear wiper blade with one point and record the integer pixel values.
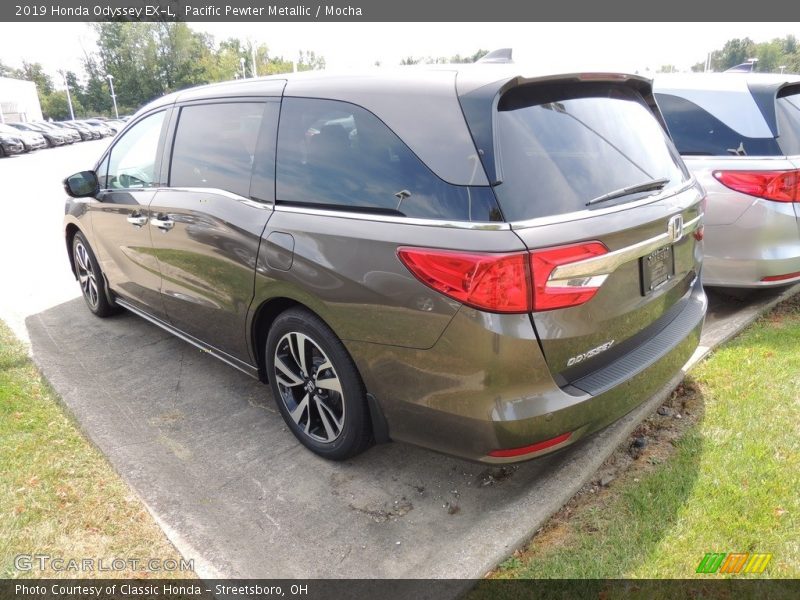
(655, 184)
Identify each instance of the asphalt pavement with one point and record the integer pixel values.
(207, 451)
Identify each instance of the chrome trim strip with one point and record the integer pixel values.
(484, 226)
(230, 360)
(578, 283)
(219, 192)
(588, 214)
(608, 263)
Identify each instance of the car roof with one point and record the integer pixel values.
(721, 82)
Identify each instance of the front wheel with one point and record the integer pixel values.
(317, 386)
(90, 278)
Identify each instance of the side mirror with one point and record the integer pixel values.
(83, 184)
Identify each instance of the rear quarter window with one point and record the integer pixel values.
(339, 156)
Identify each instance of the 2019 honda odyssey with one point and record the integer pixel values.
(483, 263)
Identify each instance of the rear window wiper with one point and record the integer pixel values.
(648, 186)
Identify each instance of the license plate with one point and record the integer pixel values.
(658, 267)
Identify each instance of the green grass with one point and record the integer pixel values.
(58, 495)
(729, 482)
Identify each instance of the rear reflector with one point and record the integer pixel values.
(778, 186)
(532, 449)
(781, 277)
(566, 293)
(504, 283)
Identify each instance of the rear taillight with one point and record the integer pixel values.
(492, 282)
(505, 283)
(550, 294)
(779, 186)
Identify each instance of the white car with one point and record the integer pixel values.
(739, 133)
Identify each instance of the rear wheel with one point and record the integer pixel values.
(90, 278)
(316, 386)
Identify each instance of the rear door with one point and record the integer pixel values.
(206, 225)
(597, 192)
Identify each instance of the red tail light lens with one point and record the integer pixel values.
(781, 277)
(572, 293)
(504, 283)
(779, 186)
(491, 282)
(532, 449)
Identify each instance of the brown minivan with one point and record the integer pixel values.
(485, 262)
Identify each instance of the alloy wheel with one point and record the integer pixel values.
(86, 275)
(309, 387)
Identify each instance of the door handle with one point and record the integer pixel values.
(162, 224)
(137, 220)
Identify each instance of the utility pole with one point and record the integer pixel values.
(241, 63)
(69, 97)
(113, 95)
(253, 51)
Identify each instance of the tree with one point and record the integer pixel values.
(771, 55)
(666, 69)
(6, 71)
(699, 67)
(734, 52)
(56, 106)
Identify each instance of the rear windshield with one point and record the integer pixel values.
(789, 123)
(561, 147)
(696, 132)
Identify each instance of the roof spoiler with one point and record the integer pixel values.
(503, 55)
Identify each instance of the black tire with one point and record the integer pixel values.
(344, 413)
(90, 278)
(2, 152)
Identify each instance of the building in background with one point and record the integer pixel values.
(19, 101)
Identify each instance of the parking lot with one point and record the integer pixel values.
(206, 449)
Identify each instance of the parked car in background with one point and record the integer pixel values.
(10, 144)
(30, 140)
(479, 261)
(85, 133)
(739, 133)
(70, 135)
(115, 125)
(54, 138)
(101, 125)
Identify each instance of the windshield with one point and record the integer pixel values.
(562, 147)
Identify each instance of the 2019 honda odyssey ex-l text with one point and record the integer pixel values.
(482, 263)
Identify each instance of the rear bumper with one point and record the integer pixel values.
(485, 386)
(764, 242)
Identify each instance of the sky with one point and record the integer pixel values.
(629, 47)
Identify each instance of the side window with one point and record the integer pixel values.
(132, 160)
(336, 154)
(697, 132)
(215, 145)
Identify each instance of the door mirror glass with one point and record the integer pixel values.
(82, 184)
